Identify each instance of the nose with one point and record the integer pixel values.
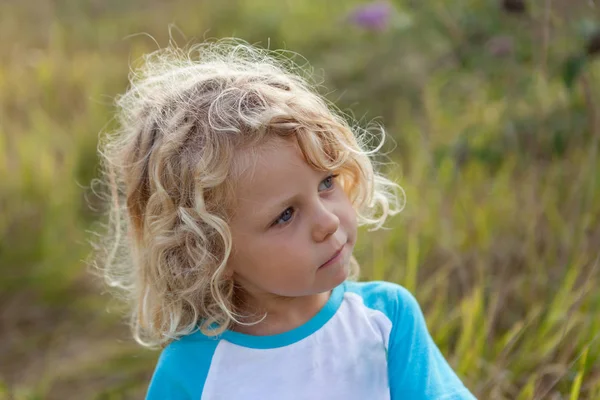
(326, 223)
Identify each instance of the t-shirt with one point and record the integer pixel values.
(369, 341)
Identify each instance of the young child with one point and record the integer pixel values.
(242, 190)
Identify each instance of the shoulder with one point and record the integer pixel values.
(390, 298)
(417, 368)
(391, 307)
(182, 367)
(194, 348)
(377, 288)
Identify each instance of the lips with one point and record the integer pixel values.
(334, 256)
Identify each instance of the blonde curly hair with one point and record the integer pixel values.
(170, 168)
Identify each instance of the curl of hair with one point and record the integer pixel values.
(169, 167)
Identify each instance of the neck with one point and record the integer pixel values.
(281, 314)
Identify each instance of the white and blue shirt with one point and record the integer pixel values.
(369, 341)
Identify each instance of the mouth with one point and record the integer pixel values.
(336, 256)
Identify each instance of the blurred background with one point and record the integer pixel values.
(493, 110)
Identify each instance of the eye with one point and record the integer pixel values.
(285, 216)
(327, 182)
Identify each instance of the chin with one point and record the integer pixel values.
(340, 275)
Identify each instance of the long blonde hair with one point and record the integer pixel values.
(169, 169)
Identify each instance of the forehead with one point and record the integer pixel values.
(268, 171)
(258, 167)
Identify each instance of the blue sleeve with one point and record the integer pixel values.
(181, 371)
(417, 368)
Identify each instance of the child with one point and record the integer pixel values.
(242, 191)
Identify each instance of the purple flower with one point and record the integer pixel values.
(500, 46)
(374, 16)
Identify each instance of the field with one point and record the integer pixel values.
(493, 114)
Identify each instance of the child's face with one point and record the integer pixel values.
(289, 220)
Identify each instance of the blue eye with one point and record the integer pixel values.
(328, 182)
(285, 216)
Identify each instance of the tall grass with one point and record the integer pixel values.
(496, 149)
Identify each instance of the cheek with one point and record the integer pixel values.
(287, 247)
(267, 252)
(352, 225)
(348, 216)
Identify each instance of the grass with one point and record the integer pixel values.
(497, 152)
